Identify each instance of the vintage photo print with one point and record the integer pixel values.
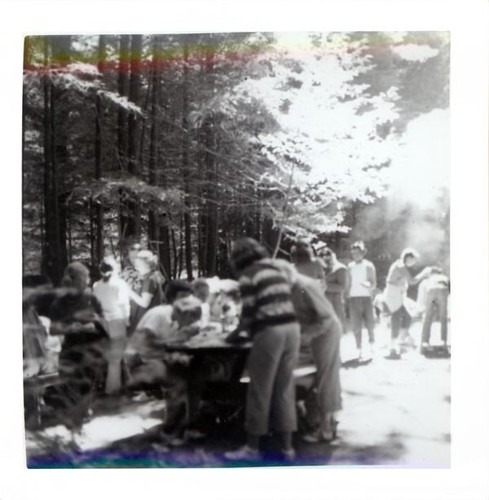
(234, 245)
(238, 229)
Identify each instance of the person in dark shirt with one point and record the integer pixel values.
(269, 317)
(151, 294)
(77, 315)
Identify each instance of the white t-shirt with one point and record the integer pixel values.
(361, 278)
(113, 296)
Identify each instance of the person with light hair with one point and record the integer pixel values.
(399, 278)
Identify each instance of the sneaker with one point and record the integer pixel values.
(288, 455)
(245, 453)
(393, 354)
(319, 437)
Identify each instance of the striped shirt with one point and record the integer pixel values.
(266, 298)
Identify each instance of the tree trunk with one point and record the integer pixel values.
(131, 216)
(185, 165)
(99, 113)
(55, 155)
(123, 79)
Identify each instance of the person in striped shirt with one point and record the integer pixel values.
(268, 315)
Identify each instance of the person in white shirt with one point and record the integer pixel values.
(362, 283)
(113, 295)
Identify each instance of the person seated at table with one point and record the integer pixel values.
(145, 351)
(77, 315)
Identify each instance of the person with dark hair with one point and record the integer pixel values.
(336, 283)
(77, 315)
(303, 257)
(113, 295)
(150, 365)
(362, 283)
(399, 278)
(156, 327)
(268, 315)
(152, 293)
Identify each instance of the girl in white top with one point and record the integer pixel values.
(113, 295)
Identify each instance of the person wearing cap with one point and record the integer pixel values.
(152, 293)
(399, 278)
(269, 317)
(362, 283)
(113, 294)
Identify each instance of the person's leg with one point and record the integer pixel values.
(428, 319)
(326, 351)
(117, 332)
(283, 417)
(356, 318)
(263, 363)
(443, 312)
(368, 314)
(395, 330)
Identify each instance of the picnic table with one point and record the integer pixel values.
(219, 368)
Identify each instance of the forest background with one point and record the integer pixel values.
(186, 142)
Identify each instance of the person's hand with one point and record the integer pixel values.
(237, 336)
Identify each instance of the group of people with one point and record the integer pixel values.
(353, 291)
(114, 334)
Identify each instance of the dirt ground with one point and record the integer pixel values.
(396, 413)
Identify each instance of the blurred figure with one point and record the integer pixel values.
(433, 294)
(201, 290)
(362, 283)
(398, 280)
(269, 317)
(134, 279)
(321, 334)
(150, 365)
(151, 294)
(336, 283)
(303, 257)
(77, 315)
(113, 294)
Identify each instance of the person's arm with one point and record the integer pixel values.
(340, 282)
(371, 283)
(248, 303)
(414, 280)
(147, 292)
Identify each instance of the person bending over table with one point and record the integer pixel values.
(320, 334)
(269, 316)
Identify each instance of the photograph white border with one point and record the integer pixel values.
(467, 21)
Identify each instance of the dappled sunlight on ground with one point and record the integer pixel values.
(395, 413)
